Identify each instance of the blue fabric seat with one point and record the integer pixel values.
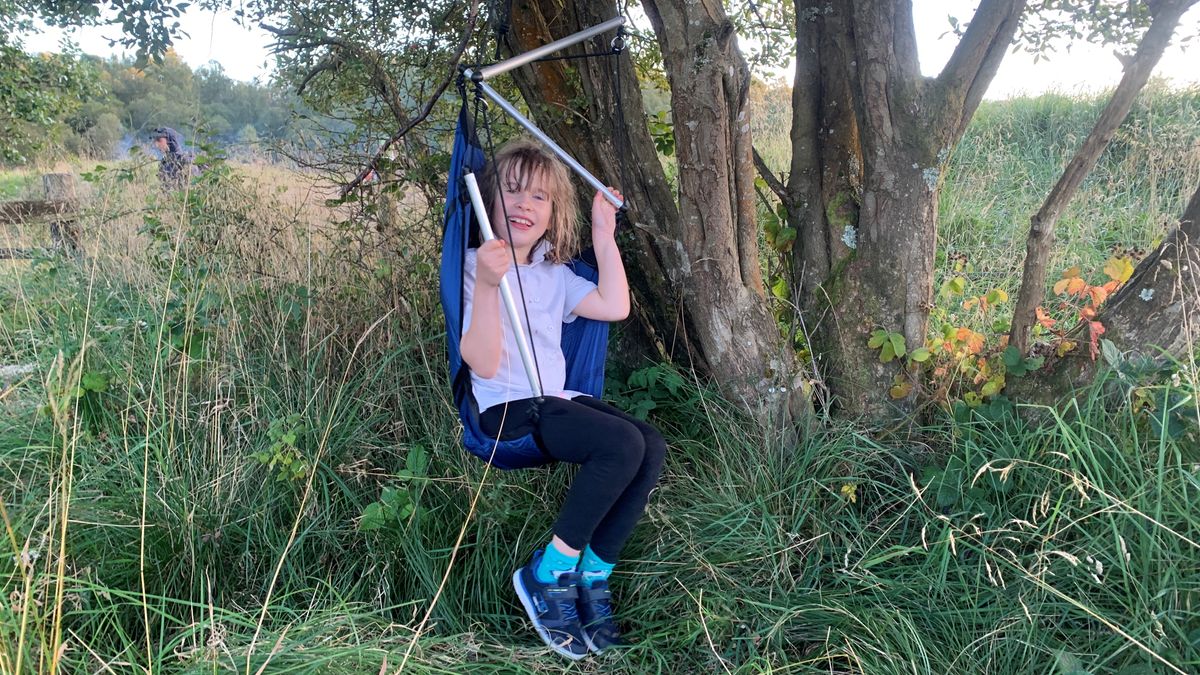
(584, 341)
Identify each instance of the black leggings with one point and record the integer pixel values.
(619, 460)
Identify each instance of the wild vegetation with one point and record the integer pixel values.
(55, 106)
(236, 452)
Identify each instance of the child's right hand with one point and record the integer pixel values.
(492, 261)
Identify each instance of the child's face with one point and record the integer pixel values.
(528, 206)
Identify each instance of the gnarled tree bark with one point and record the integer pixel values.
(695, 266)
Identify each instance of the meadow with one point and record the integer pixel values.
(236, 452)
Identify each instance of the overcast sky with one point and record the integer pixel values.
(243, 53)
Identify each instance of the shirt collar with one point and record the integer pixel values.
(539, 252)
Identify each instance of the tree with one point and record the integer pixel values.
(696, 263)
(1154, 318)
(1166, 15)
(36, 93)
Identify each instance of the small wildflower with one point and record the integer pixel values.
(1147, 294)
(850, 492)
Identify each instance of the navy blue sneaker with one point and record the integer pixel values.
(552, 609)
(596, 615)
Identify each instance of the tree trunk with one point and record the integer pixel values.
(870, 138)
(694, 268)
(1156, 314)
(1041, 230)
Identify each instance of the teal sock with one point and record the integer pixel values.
(553, 563)
(594, 568)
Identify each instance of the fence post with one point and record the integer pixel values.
(60, 189)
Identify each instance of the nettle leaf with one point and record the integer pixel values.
(417, 460)
(372, 518)
(1011, 357)
(94, 381)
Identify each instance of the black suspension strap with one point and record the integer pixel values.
(620, 133)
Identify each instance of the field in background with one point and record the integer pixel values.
(238, 452)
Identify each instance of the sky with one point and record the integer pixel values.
(243, 54)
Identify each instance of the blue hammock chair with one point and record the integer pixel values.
(584, 341)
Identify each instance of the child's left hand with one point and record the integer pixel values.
(604, 217)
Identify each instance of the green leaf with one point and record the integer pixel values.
(94, 381)
(954, 286)
(1011, 357)
(920, 355)
(991, 387)
(372, 518)
(877, 339)
(888, 353)
(417, 460)
(897, 341)
(1112, 355)
(780, 289)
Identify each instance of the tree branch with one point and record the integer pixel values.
(1041, 231)
(407, 125)
(977, 57)
(772, 180)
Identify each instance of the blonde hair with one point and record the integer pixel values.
(519, 161)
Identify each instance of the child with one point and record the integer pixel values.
(532, 205)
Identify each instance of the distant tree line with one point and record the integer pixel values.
(92, 107)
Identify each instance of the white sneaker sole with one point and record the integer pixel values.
(542, 631)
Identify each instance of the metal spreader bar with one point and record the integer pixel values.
(514, 318)
(478, 77)
(541, 136)
(488, 72)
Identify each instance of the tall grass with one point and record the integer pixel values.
(1014, 152)
(229, 379)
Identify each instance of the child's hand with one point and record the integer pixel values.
(604, 217)
(492, 262)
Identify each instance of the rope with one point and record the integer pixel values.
(620, 134)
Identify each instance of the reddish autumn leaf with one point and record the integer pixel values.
(1095, 330)
(1044, 319)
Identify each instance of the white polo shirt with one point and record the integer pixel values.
(552, 292)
